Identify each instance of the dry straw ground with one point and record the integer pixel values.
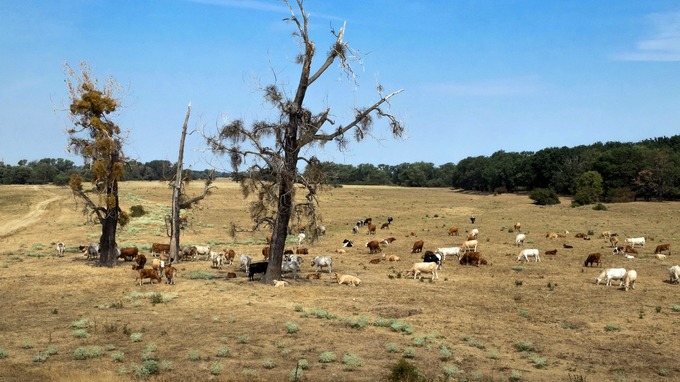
(544, 321)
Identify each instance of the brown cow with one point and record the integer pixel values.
(472, 258)
(302, 251)
(229, 254)
(418, 246)
(630, 249)
(159, 248)
(580, 235)
(140, 260)
(518, 227)
(374, 261)
(128, 254)
(371, 229)
(170, 273)
(373, 246)
(453, 231)
(662, 248)
(389, 240)
(385, 226)
(150, 274)
(551, 252)
(551, 235)
(593, 258)
(265, 252)
(613, 241)
(313, 276)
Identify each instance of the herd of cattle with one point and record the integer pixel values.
(465, 254)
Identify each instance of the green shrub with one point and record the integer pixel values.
(515, 376)
(3, 353)
(524, 346)
(327, 357)
(451, 371)
(51, 350)
(223, 352)
(600, 207)
(612, 328)
(445, 353)
(87, 352)
(118, 356)
(352, 361)
(216, 368)
(200, 275)
(137, 211)
(296, 374)
(268, 363)
(136, 337)
(675, 308)
(26, 345)
(194, 356)
(409, 353)
(303, 364)
(291, 327)
(544, 196)
(418, 341)
(298, 308)
(80, 324)
(40, 357)
(152, 367)
(357, 322)
(392, 347)
(404, 371)
(538, 362)
(80, 333)
(242, 339)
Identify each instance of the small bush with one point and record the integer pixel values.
(319, 313)
(351, 361)
(392, 347)
(216, 368)
(494, 354)
(523, 313)
(194, 356)
(445, 353)
(268, 363)
(518, 268)
(451, 371)
(600, 207)
(152, 367)
(51, 350)
(612, 328)
(3, 353)
(303, 364)
(291, 327)
(544, 196)
(80, 333)
(515, 376)
(296, 374)
(27, 345)
(242, 339)
(80, 324)
(418, 341)
(524, 346)
(40, 357)
(137, 211)
(200, 275)
(156, 298)
(675, 308)
(87, 352)
(409, 353)
(136, 337)
(538, 362)
(357, 322)
(405, 371)
(223, 352)
(118, 356)
(327, 357)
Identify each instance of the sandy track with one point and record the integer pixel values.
(12, 226)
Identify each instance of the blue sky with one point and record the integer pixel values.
(478, 76)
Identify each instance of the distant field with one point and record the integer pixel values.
(544, 321)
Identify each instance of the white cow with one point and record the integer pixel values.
(527, 253)
(610, 274)
(635, 240)
(674, 273)
(455, 251)
(301, 238)
(470, 245)
(61, 248)
(519, 239)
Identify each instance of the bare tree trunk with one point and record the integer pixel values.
(107, 241)
(176, 192)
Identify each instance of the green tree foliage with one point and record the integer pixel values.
(588, 189)
(544, 196)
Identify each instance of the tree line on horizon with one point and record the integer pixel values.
(646, 170)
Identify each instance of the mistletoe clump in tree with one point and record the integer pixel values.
(270, 150)
(98, 140)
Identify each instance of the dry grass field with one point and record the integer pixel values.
(64, 319)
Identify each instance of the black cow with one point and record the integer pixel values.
(254, 268)
(347, 243)
(431, 257)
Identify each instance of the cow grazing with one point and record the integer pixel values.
(453, 231)
(128, 254)
(593, 258)
(551, 252)
(469, 245)
(418, 246)
(551, 235)
(661, 248)
(140, 260)
(254, 268)
(472, 258)
(355, 229)
(635, 241)
(525, 254)
(373, 246)
(61, 248)
(419, 268)
(347, 279)
(610, 274)
(431, 257)
(385, 226)
(321, 262)
(158, 248)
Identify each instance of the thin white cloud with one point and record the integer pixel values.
(663, 45)
(493, 88)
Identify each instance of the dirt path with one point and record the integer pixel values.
(12, 226)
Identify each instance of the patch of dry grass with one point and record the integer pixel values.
(465, 325)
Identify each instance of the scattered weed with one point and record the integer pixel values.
(493, 354)
(352, 361)
(675, 307)
(87, 352)
(268, 363)
(80, 324)
(518, 268)
(242, 339)
(216, 368)
(409, 353)
(538, 361)
(200, 275)
(223, 352)
(3, 353)
(405, 371)
(118, 356)
(136, 337)
(451, 371)
(26, 345)
(523, 313)
(40, 357)
(418, 341)
(80, 333)
(515, 376)
(298, 308)
(194, 356)
(612, 328)
(524, 346)
(51, 350)
(392, 347)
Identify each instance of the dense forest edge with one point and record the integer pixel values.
(646, 170)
